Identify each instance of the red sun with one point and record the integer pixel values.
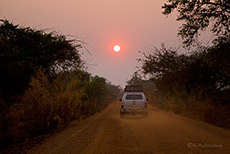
(116, 48)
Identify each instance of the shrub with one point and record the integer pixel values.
(51, 103)
(200, 109)
(45, 106)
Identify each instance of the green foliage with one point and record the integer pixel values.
(96, 88)
(24, 50)
(98, 94)
(198, 15)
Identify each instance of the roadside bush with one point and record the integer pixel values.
(195, 84)
(98, 95)
(50, 104)
(24, 50)
(204, 110)
(36, 102)
(46, 105)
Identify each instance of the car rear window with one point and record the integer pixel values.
(128, 97)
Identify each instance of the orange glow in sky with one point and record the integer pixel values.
(134, 25)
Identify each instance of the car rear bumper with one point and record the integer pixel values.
(134, 111)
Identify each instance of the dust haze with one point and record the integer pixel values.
(161, 132)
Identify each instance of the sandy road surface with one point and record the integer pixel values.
(162, 132)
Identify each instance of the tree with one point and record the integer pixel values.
(204, 72)
(165, 67)
(218, 58)
(135, 79)
(198, 15)
(24, 50)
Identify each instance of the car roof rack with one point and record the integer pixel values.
(134, 88)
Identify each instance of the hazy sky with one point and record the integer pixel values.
(135, 25)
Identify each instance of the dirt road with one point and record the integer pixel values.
(162, 132)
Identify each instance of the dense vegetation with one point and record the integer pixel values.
(194, 83)
(24, 51)
(207, 70)
(43, 84)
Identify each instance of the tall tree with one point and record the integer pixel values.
(198, 15)
(24, 50)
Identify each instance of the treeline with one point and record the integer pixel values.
(204, 72)
(194, 83)
(43, 84)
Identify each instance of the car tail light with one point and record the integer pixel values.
(145, 104)
(122, 105)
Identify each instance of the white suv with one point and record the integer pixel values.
(133, 102)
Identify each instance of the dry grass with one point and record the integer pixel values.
(50, 104)
(203, 110)
(45, 106)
